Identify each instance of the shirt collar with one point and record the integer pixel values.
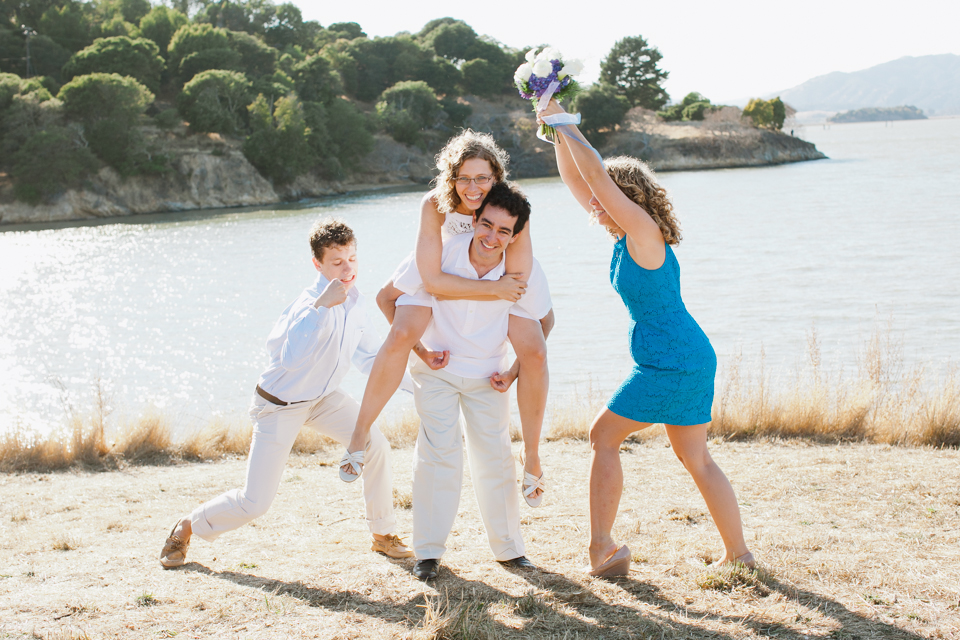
(463, 263)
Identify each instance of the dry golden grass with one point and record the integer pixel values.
(854, 540)
(883, 402)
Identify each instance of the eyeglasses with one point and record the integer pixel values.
(464, 181)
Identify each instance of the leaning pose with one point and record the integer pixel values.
(311, 347)
(672, 380)
(469, 164)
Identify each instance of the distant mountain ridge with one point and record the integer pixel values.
(931, 83)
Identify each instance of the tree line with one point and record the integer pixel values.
(78, 80)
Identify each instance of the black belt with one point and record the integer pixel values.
(275, 400)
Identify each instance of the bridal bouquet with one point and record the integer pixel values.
(547, 75)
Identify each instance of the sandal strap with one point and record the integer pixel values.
(531, 483)
(355, 460)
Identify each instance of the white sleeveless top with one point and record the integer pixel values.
(535, 303)
(454, 224)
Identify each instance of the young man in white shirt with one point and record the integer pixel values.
(475, 334)
(311, 347)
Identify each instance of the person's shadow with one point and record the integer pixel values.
(556, 606)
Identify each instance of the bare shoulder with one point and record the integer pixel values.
(647, 251)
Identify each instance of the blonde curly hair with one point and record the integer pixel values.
(638, 182)
(465, 146)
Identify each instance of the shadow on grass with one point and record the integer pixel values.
(556, 606)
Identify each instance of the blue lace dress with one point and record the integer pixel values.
(674, 362)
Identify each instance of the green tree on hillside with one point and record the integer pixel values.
(108, 106)
(486, 65)
(408, 108)
(316, 81)
(766, 114)
(131, 11)
(279, 143)
(160, 24)
(138, 59)
(382, 62)
(631, 66)
(338, 129)
(71, 25)
(602, 107)
(46, 56)
(197, 47)
(216, 101)
(694, 106)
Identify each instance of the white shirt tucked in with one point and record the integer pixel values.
(311, 349)
(474, 331)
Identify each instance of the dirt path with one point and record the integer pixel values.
(859, 541)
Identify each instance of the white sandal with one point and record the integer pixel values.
(355, 460)
(530, 484)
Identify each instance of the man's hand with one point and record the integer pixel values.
(433, 359)
(502, 381)
(510, 286)
(334, 294)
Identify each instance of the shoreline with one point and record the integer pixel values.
(210, 172)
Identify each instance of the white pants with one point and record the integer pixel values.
(438, 471)
(275, 429)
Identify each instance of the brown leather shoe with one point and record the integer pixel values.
(174, 552)
(393, 547)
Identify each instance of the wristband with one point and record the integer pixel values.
(561, 118)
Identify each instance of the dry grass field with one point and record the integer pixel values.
(854, 540)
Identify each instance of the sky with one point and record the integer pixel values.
(728, 51)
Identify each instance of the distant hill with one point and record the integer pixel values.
(931, 83)
(879, 114)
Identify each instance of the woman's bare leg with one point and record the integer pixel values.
(409, 323)
(607, 433)
(690, 445)
(528, 338)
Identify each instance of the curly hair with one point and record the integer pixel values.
(638, 182)
(329, 232)
(465, 146)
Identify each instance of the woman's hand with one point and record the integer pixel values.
(553, 108)
(433, 359)
(510, 286)
(502, 381)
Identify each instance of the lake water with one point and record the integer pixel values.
(171, 311)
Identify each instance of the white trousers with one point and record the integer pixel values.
(438, 470)
(275, 429)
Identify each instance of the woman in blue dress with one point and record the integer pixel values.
(672, 380)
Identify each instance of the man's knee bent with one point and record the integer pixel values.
(254, 509)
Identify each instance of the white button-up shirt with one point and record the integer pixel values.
(474, 331)
(311, 349)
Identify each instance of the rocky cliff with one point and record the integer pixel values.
(208, 171)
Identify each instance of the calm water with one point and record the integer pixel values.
(172, 311)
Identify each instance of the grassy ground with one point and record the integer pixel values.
(854, 540)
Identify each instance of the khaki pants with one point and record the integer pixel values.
(438, 471)
(274, 431)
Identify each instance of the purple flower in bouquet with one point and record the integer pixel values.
(547, 75)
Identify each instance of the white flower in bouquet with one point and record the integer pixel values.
(570, 68)
(524, 71)
(549, 54)
(531, 55)
(542, 68)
